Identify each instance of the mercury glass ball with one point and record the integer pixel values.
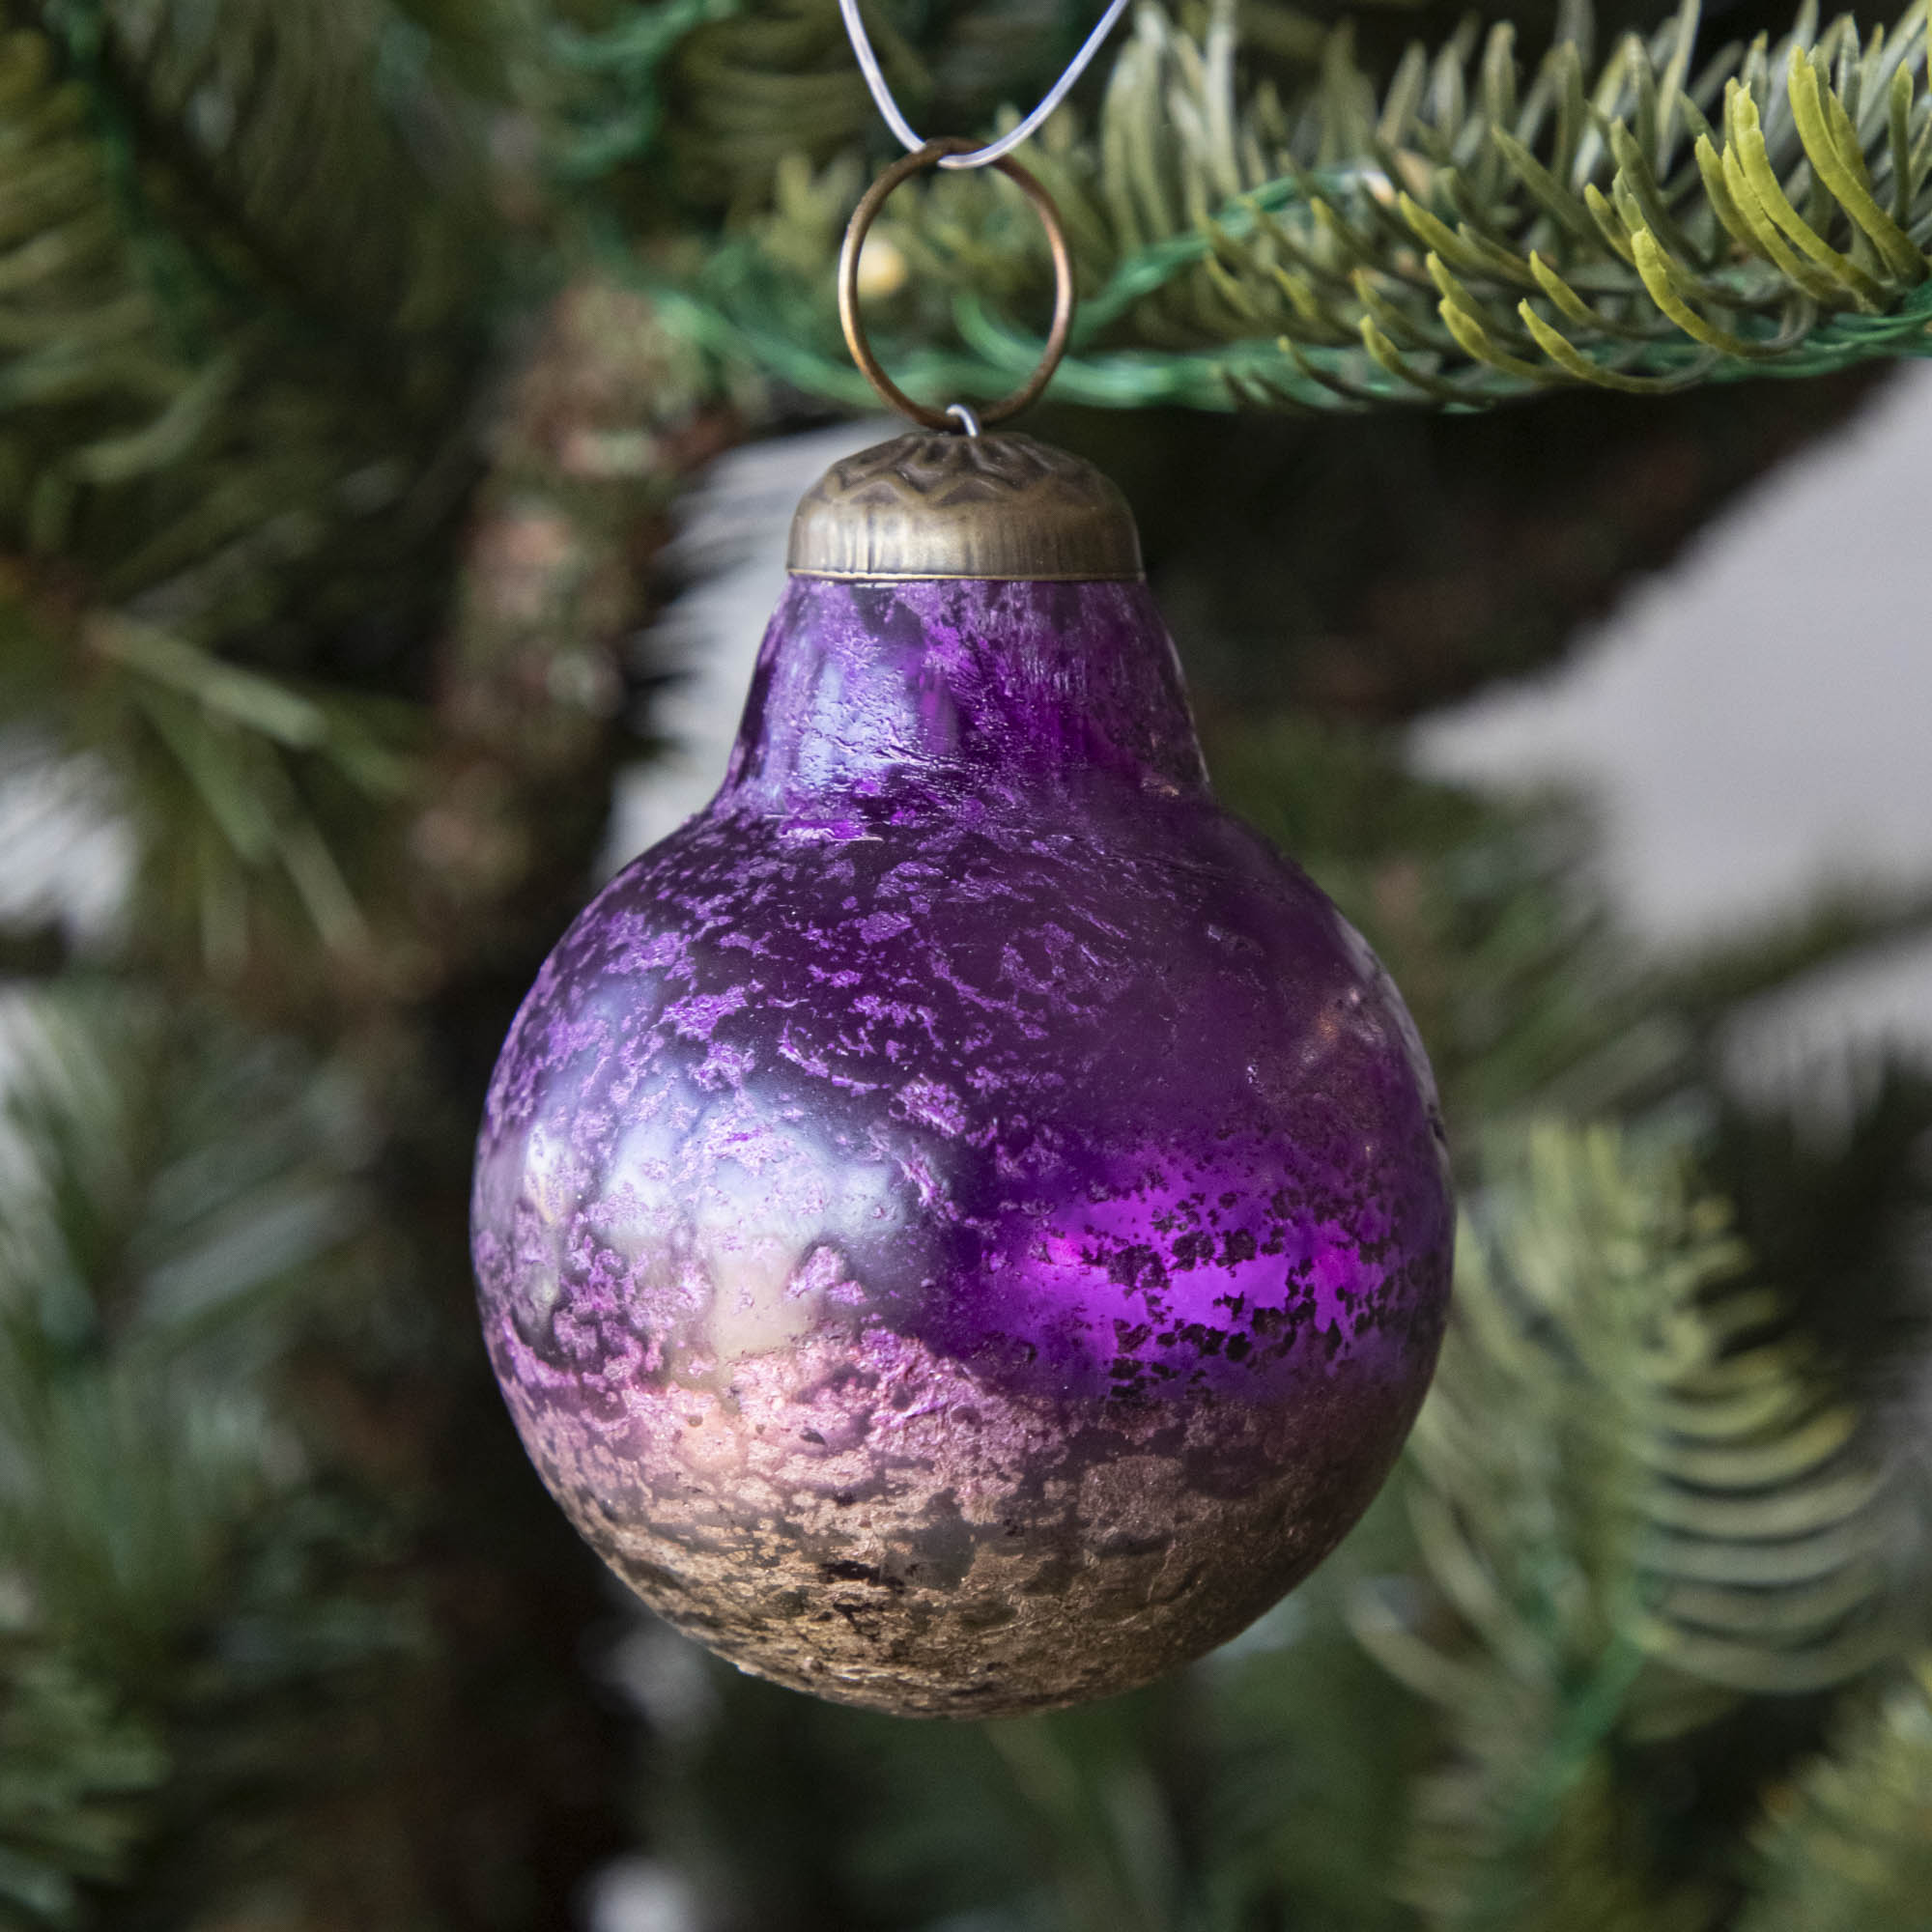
(962, 1225)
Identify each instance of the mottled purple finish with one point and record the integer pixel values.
(961, 1224)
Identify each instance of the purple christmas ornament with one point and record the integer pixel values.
(962, 1225)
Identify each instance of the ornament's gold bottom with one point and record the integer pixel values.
(857, 1517)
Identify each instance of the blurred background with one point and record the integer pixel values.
(402, 404)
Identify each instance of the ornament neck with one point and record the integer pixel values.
(964, 686)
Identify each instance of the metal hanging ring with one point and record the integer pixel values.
(863, 217)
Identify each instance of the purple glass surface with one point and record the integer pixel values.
(962, 1225)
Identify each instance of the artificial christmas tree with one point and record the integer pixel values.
(352, 361)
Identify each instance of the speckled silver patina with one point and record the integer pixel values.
(962, 1225)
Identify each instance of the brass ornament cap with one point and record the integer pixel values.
(939, 504)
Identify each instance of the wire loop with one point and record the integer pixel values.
(863, 216)
(968, 154)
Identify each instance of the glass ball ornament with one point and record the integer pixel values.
(962, 1225)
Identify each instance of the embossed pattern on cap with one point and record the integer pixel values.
(936, 504)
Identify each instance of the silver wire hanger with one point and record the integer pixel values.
(979, 157)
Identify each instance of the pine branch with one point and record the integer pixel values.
(1472, 232)
(1293, 1804)
(1098, 1819)
(1847, 1847)
(602, 92)
(169, 1187)
(74, 1770)
(251, 489)
(259, 806)
(1681, 1511)
(236, 308)
(304, 152)
(772, 82)
(1734, 968)
(193, 1615)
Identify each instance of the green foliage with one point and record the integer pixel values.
(235, 305)
(1305, 1752)
(282, 1642)
(240, 259)
(1470, 232)
(317, 143)
(1681, 1511)
(606, 101)
(169, 1199)
(1847, 1847)
(180, 1592)
(257, 796)
(747, 88)
(71, 1769)
(1844, 1209)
